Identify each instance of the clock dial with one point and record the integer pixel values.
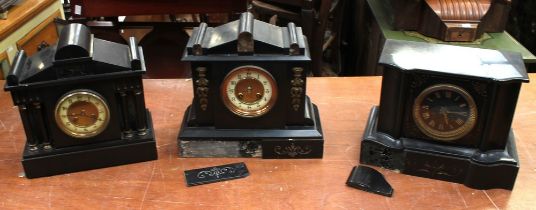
(249, 91)
(82, 113)
(445, 112)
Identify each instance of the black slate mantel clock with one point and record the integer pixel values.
(446, 113)
(249, 81)
(82, 105)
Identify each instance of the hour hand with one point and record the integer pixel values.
(445, 116)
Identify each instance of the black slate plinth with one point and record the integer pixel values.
(291, 142)
(468, 166)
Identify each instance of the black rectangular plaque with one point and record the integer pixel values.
(215, 174)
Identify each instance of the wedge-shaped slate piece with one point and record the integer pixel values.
(215, 174)
(370, 180)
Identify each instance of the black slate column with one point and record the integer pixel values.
(141, 118)
(31, 138)
(40, 128)
(123, 98)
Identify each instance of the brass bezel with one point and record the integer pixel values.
(244, 113)
(84, 92)
(448, 135)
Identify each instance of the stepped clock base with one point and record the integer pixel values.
(468, 166)
(293, 142)
(43, 163)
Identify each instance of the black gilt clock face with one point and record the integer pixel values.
(82, 113)
(249, 91)
(445, 112)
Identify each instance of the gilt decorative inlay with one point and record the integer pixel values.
(216, 172)
(202, 87)
(297, 88)
(293, 150)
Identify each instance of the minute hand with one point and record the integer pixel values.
(458, 113)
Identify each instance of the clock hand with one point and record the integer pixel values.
(444, 111)
(445, 116)
(458, 113)
(83, 115)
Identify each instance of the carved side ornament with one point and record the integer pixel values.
(296, 91)
(202, 87)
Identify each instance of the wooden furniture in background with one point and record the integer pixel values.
(164, 45)
(522, 25)
(462, 20)
(375, 27)
(313, 17)
(4, 64)
(344, 105)
(29, 24)
(44, 35)
(111, 8)
(4, 6)
(301, 12)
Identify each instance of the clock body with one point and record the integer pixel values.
(447, 115)
(249, 84)
(82, 105)
(220, 111)
(468, 118)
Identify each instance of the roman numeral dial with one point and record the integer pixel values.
(82, 113)
(249, 91)
(445, 112)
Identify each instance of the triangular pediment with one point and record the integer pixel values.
(247, 36)
(77, 54)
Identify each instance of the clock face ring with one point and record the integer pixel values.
(82, 113)
(445, 112)
(249, 91)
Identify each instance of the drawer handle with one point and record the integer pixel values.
(43, 45)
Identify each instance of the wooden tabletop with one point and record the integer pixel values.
(344, 105)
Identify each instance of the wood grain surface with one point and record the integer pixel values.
(20, 14)
(344, 105)
(464, 10)
(45, 32)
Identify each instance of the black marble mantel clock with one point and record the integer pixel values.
(446, 113)
(82, 105)
(249, 81)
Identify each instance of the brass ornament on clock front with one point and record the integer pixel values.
(445, 112)
(249, 91)
(82, 113)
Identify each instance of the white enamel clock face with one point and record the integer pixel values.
(82, 113)
(249, 91)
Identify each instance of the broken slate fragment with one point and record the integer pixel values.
(370, 180)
